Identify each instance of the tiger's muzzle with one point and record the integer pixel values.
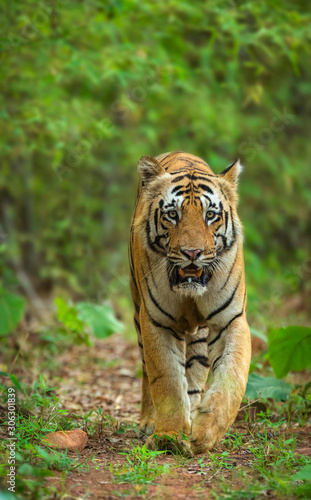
(189, 276)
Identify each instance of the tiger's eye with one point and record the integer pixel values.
(210, 214)
(172, 214)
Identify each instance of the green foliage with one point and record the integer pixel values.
(38, 412)
(100, 318)
(304, 474)
(140, 467)
(266, 387)
(68, 315)
(218, 79)
(273, 461)
(77, 318)
(289, 349)
(11, 311)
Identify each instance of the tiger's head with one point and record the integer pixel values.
(190, 216)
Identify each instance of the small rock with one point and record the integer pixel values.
(70, 440)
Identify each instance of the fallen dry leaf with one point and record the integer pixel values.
(71, 440)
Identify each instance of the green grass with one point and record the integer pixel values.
(266, 444)
(140, 468)
(38, 412)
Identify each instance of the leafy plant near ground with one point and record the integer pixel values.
(12, 309)
(289, 349)
(38, 411)
(140, 468)
(266, 387)
(97, 317)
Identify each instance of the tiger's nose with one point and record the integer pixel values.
(192, 254)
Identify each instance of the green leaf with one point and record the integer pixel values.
(68, 315)
(266, 387)
(289, 349)
(11, 311)
(303, 474)
(16, 382)
(100, 318)
(25, 470)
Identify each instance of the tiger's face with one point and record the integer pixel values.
(192, 220)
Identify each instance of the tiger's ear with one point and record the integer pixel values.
(232, 172)
(149, 168)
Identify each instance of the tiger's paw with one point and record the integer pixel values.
(173, 442)
(147, 426)
(206, 433)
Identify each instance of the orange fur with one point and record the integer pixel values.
(188, 289)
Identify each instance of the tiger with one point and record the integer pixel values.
(187, 282)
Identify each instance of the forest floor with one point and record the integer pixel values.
(98, 388)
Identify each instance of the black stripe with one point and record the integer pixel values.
(149, 270)
(155, 323)
(200, 359)
(190, 176)
(230, 272)
(177, 188)
(137, 325)
(211, 204)
(226, 304)
(179, 178)
(226, 220)
(199, 341)
(216, 220)
(157, 239)
(233, 226)
(193, 160)
(170, 205)
(223, 193)
(214, 364)
(194, 391)
(156, 219)
(165, 158)
(157, 304)
(223, 329)
(137, 308)
(133, 278)
(206, 188)
(140, 345)
(153, 244)
(170, 154)
(155, 379)
(224, 241)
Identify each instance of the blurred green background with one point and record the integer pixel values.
(87, 87)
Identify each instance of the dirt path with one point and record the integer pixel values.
(106, 376)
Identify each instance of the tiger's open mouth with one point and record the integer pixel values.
(190, 275)
(190, 272)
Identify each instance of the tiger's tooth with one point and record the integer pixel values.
(189, 280)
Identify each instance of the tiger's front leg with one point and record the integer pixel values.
(164, 355)
(229, 356)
